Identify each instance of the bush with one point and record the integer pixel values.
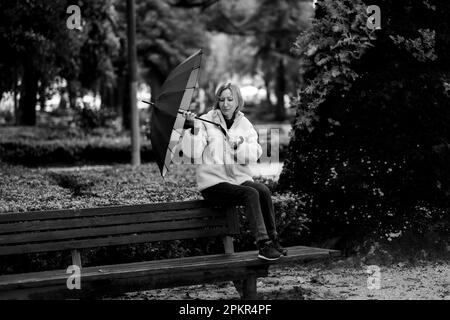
(66, 146)
(89, 119)
(369, 145)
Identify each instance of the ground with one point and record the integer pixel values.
(335, 280)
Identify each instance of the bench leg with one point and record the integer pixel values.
(249, 288)
(238, 284)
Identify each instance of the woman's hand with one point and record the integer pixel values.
(190, 116)
(235, 142)
(190, 120)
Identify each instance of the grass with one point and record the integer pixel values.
(25, 189)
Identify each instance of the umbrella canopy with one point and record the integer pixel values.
(166, 124)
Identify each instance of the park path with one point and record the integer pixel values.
(339, 280)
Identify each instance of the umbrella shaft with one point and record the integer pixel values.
(217, 124)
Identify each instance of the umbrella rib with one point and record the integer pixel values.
(175, 92)
(167, 168)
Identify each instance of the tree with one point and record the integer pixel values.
(32, 49)
(37, 47)
(132, 66)
(370, 140)
(166, 36)
(229, 55)
(100, 49)
(274, 25)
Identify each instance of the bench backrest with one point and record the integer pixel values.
(43, 231)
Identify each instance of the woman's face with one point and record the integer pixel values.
(227, 103)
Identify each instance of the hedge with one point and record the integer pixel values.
(44, 146)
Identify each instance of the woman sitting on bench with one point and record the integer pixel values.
(224, 177)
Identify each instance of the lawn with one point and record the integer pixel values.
(27, 189)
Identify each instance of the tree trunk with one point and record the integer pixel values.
(28, 99)
(118, 95)
(107, 97)
(42, 88)
(280, 112)
(72, 92)
(132, 81)
(64, 102)
(16, 105)
(125, 110)
(267, 84)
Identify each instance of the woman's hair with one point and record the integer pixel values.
(235, 91)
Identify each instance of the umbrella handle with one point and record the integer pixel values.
(215, 123)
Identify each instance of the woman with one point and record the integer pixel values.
(224, 176)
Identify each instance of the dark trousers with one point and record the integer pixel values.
(256, 199)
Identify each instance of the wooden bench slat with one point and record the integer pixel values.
(153, 268)
(102, 211)
(116, 287)
(131, 239)
(82, 233)
(76, 222)
(248, 258)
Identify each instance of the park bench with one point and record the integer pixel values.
(76, 229)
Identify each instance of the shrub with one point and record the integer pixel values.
(70, 152)
(369, 144)
(89, 119)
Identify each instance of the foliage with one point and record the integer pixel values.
(269, 28)
(166, 35)
(101, 46)
(53, 146)
(88, 119)
(37, 48)
(326, 51)
(369, 144)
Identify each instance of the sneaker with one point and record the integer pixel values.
(267, 251)
(277, 245)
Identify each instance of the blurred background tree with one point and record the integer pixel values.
(272, 27)
(32, 34)
(41, 56)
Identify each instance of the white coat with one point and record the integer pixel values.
(217, 160)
